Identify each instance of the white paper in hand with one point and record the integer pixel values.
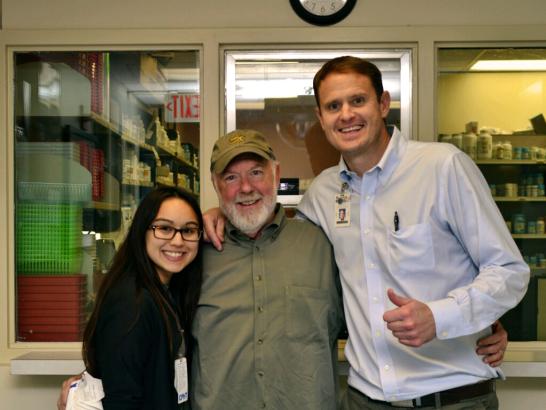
(85, 394)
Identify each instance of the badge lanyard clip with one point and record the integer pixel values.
(342, 206)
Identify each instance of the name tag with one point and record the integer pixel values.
(181, 379)
(342, 215)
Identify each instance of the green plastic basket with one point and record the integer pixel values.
(48, 239)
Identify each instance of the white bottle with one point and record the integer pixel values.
(457, 140)
(506, 150)
(470, 144)
(497, 150)
(485, 145)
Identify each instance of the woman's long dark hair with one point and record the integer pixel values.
(132, 259)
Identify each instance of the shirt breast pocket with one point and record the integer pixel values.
(411, 250)
(306, 313)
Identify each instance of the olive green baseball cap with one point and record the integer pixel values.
(236, 143)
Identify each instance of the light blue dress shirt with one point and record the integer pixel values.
(452, 250)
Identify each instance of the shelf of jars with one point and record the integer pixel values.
(529, 236)
(519, 199)
(145, 184)
(511, 161)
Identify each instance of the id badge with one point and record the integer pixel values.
(181, 379)
(342, 208)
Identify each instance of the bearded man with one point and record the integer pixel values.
(269, 313)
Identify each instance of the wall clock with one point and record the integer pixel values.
(322, 12)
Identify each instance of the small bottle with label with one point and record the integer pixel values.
(540, 225)
(497, 150)
(470, 144)
(457, 140)
(517, 153)
(519, 223)
(507, 150)
(485, 145)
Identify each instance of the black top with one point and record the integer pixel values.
(132, 347)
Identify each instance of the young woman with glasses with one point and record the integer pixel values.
(137, 338)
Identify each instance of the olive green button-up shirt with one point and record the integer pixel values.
(267, 321)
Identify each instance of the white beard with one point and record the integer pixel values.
(250, 222)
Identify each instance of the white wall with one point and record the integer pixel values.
(36, 14)
(212, 24)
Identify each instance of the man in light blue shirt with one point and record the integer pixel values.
(426, 261)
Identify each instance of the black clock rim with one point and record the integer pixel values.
(322, 20)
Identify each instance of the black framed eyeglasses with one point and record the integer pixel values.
(166, 232)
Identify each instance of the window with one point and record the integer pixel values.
(272, 92)
(491, 103)
(94, 132)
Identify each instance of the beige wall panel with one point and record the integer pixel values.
(37, 14)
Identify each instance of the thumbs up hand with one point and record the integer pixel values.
(411, 322)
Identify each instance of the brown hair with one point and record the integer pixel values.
(132, 260)
(349, 64)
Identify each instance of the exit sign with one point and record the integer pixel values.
(182, 108)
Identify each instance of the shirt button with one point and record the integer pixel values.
(444, 333)
(368, 197)
(387, 367)
(375, 299)
(260, 309)
(259, 277)
(263, 406)
(260, 341)
(372, 265)
(261, 374)
(366, 231)
(378, 333)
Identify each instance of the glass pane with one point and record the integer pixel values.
(491, 103)
(272, 91)
(94, 132)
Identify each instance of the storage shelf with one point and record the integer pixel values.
(138, 183)
(103, 205)
(528, 236)
(539, 272)
(136, 143)
(511, 161)
(99, 119)
(519, 198)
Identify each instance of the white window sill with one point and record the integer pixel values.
(48, 363)
(521, 360)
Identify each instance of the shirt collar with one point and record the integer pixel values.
(388, 162)
(272, 230)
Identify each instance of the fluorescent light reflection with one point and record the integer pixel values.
(258, 90)
(509, 65)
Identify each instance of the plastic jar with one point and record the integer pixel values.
(541, 226)
(457, 140)
(470, 142)
(485, 145)
(506, 150)
(518, 223)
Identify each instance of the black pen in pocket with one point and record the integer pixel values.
(396, 221)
